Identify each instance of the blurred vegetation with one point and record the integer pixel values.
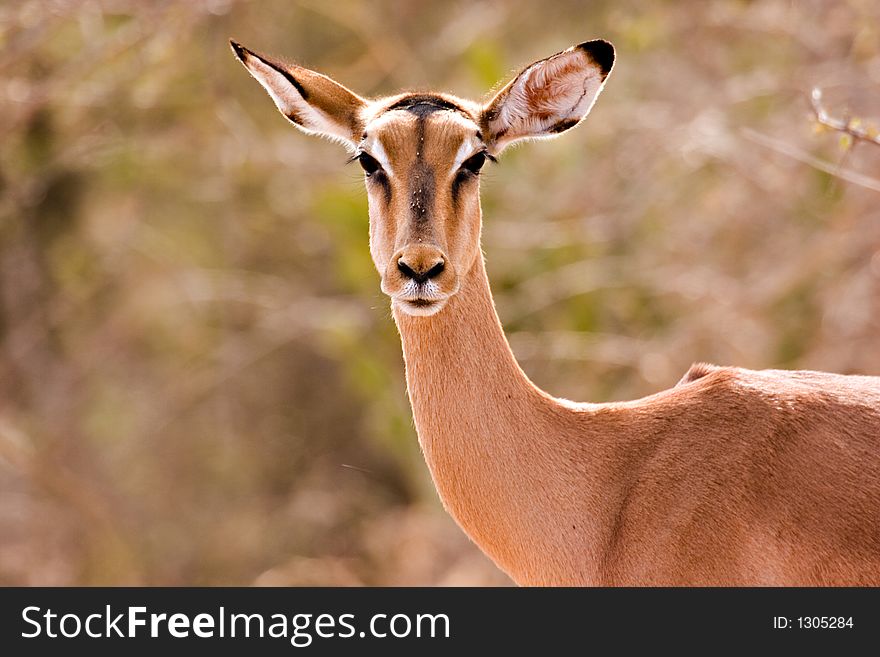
(200, 382)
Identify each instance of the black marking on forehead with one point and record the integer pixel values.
(420, 129)
(423, 104)
(421, 192)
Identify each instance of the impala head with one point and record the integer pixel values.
(422, 154)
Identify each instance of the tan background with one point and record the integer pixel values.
(200, 382)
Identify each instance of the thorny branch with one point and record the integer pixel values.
(851, 127)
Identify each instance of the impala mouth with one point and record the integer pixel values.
(421, 299)
(420, 307)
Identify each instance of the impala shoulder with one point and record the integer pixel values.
(700, 370)
(707, 379)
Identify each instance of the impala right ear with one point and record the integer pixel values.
(311, 101)
(548, 97)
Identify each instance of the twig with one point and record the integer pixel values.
(794, 152)
(851, 127)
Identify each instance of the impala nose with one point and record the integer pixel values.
(421, 263)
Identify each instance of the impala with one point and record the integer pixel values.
(732, 477)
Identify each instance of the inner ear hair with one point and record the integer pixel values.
(549, 96)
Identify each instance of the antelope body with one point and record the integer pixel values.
(732, 477)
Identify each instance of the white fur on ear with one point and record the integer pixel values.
(311, 101)
(550, 96)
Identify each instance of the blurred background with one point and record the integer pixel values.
(200, 382)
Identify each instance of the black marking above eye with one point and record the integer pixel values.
(368, 163)
(475, 162)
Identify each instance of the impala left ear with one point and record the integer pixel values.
(548, 97)
(311, 101)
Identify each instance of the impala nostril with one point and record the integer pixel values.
(420, 276)
(436, 270)
(406, 270)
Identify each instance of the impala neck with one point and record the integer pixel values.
(500, 450)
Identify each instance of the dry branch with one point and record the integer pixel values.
(849, 126)
(802, 156)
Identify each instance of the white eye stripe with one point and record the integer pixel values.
(378, 151)
(373, 145)
(468, 148)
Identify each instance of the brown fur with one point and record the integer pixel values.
(732, 477)
(697, 371)
(739, 478)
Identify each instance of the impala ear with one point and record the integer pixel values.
(548, 97)
(309, 100)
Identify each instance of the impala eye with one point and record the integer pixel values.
(475, 163)
(368, 163)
